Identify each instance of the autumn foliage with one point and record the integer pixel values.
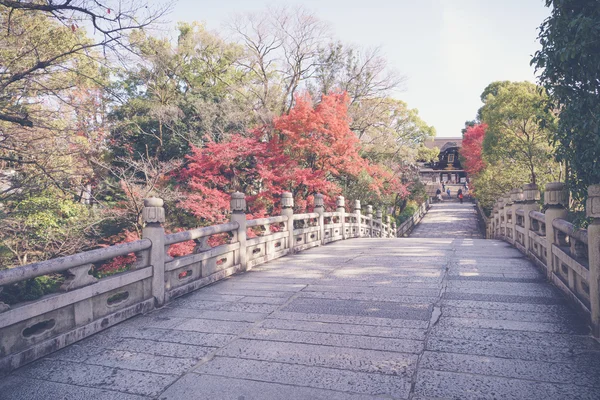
(471, 150)
(309, 150)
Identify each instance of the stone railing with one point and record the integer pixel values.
(570, 257)
(407, 226)
(85, 304)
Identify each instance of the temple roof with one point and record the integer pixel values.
(443, 143)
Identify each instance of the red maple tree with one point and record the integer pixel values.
(471, 149)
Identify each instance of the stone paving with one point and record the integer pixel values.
(441, 317)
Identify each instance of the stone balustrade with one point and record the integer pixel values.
(570, 257)
(407, 226)
(86, 304)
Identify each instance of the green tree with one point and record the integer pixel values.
(569, 66)
(519, 128)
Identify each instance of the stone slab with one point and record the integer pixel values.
(316, 377)
(19, 388)
(323, 356)
(194, 386)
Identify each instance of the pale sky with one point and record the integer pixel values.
(449, 50)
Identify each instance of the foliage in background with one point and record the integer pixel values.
(510, 146)
(569, 67)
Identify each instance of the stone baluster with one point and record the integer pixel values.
(388, 227)
(341, 208)
(379, 219)
(531, 196)
(495, 221)
(357, 211)
(370, 217)
(394, 229)
(287, 209)
(555, 200)
(592, 209)
(238, 214)
(508, 217)
(501, 219)
(153, 216)
(320, 209)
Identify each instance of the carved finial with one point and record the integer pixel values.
(357, 206)
(340, 202)
(287, 200)
(592, 206)
(370, 209)
(153, 211)
(531, 192)
(516, 195)
(555, 195)
(379, 214)
(319, 203)
(238, 203)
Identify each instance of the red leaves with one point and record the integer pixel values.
(312, 148)
(471, 149)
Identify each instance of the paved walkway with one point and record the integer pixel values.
(419, 318)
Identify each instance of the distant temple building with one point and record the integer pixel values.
(447, 168)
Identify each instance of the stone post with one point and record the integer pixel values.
(238, 214)
(531, 196)
(508, 214)
(370, 217)
(388, 222)
(495, 221)
(379, 218)
(153, 216)
(555, 200)
(287, 209)
(394, 229)
(320, 209)
(357, 210)
(341, 208)
(501, 220)
(592, 209)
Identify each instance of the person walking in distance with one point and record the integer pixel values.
(460, 195)
(448, 193)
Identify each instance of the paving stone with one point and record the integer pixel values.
(130, 360)
(194, 386)
(346, 329)
(317, 377)
(514, 325)
(540, 352)
(504, 298)
(101, 377)
(20, 388)
(476, 387)
(153, 347)
(517, 337)
(403, 323)
(340, 340)
(378, 309)
(586, 374)
(562, 309)
(509, 315)
(212, 326)
(370, 297)
(323, 356)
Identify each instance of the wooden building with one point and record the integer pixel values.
(447, 168)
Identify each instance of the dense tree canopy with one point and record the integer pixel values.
(97, 113)
(569, 67)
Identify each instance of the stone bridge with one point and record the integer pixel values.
(443, 314)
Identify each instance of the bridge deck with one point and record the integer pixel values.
(444, 317)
